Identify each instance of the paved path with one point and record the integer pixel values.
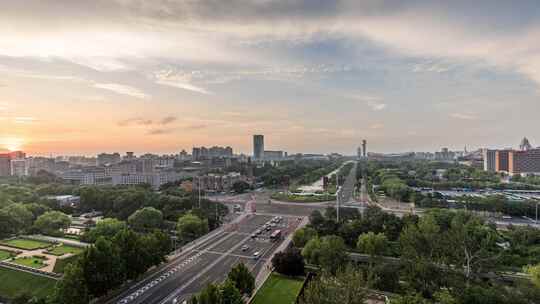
(50, 262)
(60, 240)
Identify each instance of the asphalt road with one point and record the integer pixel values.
(208, 262)
(347, 189)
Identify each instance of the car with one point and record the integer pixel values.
(268, 228)
(256, 255)
(258, 231)
(253, 236)
(245, 248)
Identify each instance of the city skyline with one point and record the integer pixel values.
(312, 76)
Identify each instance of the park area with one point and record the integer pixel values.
(278, 289)
(25, 244)
(18, 282)
(4, 254)
(64, 249)
(43, 255)
(36, 262)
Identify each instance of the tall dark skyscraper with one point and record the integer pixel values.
(258, 147)
(364, 148)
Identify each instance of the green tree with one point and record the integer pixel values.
(289, 262)
(312, 250)
(242, 279)
(191, 227)
(473, 244)
(444, 297)
(420, 246)
(158, 244)
(5, 224)
(373, 244)
(211, 294)
(146, 219)
(52, 223)
(303, 235)
(134, 254)
(534, 272)
(230, 294)
(37, 209)
(411, 299)
(19, 217)
(102, 267)
(108, 228)
(240, 187)
(346, 287)
(329, 252)
(72, 289)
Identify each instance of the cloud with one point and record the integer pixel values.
(24, 119)
(137, 121)
(430, 67)
(464, 116)
(122, 90)
(160, 131)
(183, 85)
(376, 105)
(374, 102)
(181, 80)
(167, 120)
(196, 127)
(376, 126)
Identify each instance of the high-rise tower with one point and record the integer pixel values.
(258, 147)
(364, 148)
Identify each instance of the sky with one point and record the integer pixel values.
(83, 77)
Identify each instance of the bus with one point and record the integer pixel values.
(275, 236)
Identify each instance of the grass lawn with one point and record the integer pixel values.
(4, 255)
(278, 290)
(30, 262)
(26, 244)
(62, 263)
(63, 249)
(16, 282)
(72, 237)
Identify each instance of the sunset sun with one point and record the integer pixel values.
(12, 143)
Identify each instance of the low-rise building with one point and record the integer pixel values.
(217, 182)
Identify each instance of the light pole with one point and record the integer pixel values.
(338, 194)
(199, 192)
(536, 221)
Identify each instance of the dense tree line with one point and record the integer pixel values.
(121, 202)
(110, 262)
(444, 256)
(424, 174)
(297, 172)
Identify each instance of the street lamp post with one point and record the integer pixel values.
(199, 192)
(338, 194)
(536, 221)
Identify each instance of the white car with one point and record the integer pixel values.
(256, 255)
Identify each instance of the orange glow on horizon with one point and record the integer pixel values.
(12, 143)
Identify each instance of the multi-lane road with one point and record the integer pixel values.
(210, 260)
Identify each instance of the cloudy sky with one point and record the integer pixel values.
(80, 77)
